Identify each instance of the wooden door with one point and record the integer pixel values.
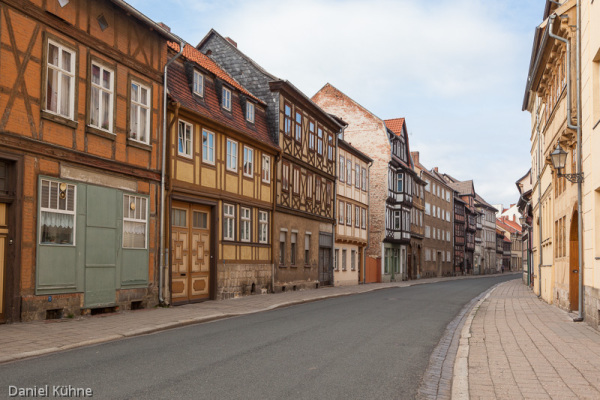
(324, 266)
(574, 265)
(3, 249)
(190, 250)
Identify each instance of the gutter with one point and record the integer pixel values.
(162, 261)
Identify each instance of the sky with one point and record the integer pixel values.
(455, 69)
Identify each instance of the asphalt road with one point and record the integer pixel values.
(368, 346)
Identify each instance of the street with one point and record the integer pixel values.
(372, 345)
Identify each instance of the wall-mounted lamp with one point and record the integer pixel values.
(559, 159)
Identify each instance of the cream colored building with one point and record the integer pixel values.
(351, 234)
(555, 199)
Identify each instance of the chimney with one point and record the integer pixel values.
(436, 169)
(230, 40)
(164, 26)
(513, 217)
(415, 156)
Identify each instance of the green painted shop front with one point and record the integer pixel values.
(81, 246)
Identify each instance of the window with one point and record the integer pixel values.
(320, 141)
(357, 216)
(427, 255)
(266, 168)
(349, 172)
(263, 227)
(342, 172)
(135, 217)
(200, 220)
(298, 127)
(448, 236)
(399, 183)
(397, 221)
(307, 248)
(330, 147)
(139, 118)
(353, 260)
(357, 175)
(185, 138)
(364, 179)
(208, 147)
(309, 185)
(282, 238)
(250, 112)
(287, 121)
(232, 155)
(336, 261)
(178, 217)
(57, 213)
(60, 80)
(296, 181)
(433, 210)
(285, 176)
(102, 97)
(293, 248)
(226, 99)
(363, 219)
(248, 161)
(343, 259)
(427, 209)
(228, 222)
(311, 135)
(448, 256)
(245, 220)
(341, 212)
(198, 83)
(349, 214)
(427, 232)
(318, 189)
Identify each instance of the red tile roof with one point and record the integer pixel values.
(210, 106)
(395, 125)
(192, 54)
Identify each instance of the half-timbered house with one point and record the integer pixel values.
(304, 215)
(80, 116)
(221, 191)
(391, 181)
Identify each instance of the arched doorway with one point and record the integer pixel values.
(574, 264)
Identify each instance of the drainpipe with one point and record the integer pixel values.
(335, 204)
(578, 129)
(539, 182)
(367, 222)
(162, 180)
(273, 237)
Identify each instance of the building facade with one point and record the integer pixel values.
(487, 260)
(79, 155)
(304, 214)
(221, 188)
(351, 234)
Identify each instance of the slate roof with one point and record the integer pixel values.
(463, 188)
(210, 106)
(481, 201)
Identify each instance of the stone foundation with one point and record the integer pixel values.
(296, 285)
(591, 306)
(70, 305)
(234, 280)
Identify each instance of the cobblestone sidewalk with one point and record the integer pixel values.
(523, 348)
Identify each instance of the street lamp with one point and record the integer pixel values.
(559, 159)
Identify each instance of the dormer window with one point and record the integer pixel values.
(226, 99)
(250, 112)
(198, 83)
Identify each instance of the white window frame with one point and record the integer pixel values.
(226, 99)
(342, 171)
(57, 210)
(400, 182)
(357, 175)
(186, 150)
(248, 161)
(363, 218)
(250, 112)
(342, 206)
(198, 85)
(245, 224)
(138, 105)
(356, 216)
(348, 172)
(229, 219)
(266, 168)
(101, 89)
(138, 219)
(263, 227)
(349, 214)
(61, 73)
(232, 156)
(208, 151)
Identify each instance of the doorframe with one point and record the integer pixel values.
(574, 238)
(12, 258)
(214, 205)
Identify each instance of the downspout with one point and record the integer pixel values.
(335, 204)
(578, 129)
(274, 191)
(367, 222)
(162, 180)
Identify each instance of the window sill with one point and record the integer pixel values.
(306, 265)
(139, 145)
(100, 132)
(59, 120)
